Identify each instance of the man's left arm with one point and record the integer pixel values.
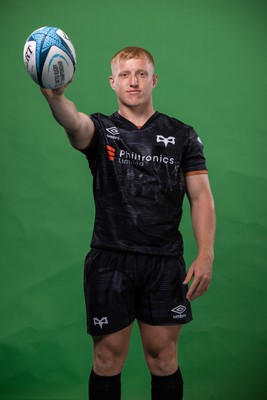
(204, 222)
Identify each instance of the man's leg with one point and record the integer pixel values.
(110, 352)
(160, 345)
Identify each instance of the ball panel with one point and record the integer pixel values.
(68, 44)
(57, 70)
(29, 58)
(39, 36)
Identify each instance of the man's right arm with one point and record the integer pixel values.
(78, 126)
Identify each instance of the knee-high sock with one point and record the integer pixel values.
(104, 387)
(167, 387)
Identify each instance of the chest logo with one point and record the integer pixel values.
(113, 133)
(165, 140)
(113, 130)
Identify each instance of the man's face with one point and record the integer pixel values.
(133, 81)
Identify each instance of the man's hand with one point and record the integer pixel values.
(48, 93)
(200, 271)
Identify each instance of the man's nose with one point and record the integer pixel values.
(133, 80)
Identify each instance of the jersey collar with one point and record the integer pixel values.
(120, 118)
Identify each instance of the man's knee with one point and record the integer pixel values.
(103, 360)
(162, 363)
(108, 360)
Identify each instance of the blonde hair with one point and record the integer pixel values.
(131, 52)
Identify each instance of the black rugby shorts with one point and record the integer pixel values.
(120, 287)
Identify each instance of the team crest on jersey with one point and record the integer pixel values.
(165, 140)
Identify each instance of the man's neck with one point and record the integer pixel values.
(137, 116)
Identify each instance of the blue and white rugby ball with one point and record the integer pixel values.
(49, 57)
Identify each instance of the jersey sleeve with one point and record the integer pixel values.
(193, 160)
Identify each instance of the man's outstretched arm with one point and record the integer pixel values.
(78, 126)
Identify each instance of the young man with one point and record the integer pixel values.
(142, 163)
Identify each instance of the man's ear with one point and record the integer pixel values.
(155, 80)
(112, 82)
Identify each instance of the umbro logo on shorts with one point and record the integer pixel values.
(165, 140)
(101, 322)
(179, 309)
(179, 312)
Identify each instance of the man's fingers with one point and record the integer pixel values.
(198, 288)
(200, 275)
(188, 276)
(192, 289)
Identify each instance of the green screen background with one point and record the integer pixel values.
(211, 59)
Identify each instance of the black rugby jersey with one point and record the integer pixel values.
(138, 182)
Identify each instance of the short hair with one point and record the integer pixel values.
(131, 52)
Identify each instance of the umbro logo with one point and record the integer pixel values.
(113, 130)
(179, 309)
(165, 140)
(113, 133)
(101, 322)
(179, 312)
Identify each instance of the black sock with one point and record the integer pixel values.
(167, 387)
(104, 387)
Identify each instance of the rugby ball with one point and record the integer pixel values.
(49, 57)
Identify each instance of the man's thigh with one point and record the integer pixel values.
(156, 339)
(110, 351)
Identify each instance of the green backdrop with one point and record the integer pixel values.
(211, 60)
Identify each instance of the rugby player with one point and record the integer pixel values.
(143, 162)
